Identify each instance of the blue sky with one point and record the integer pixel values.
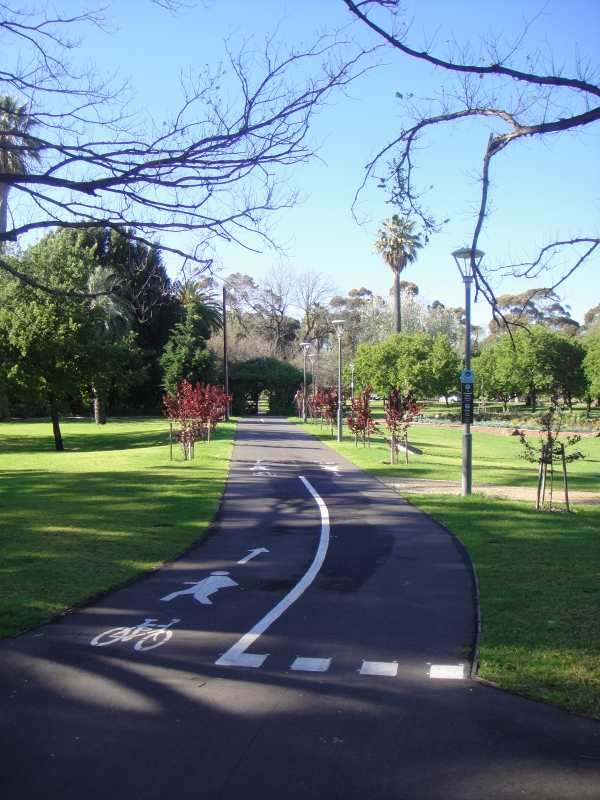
(541, 189)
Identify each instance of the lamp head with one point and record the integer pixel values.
(464, 262)
(339, 325)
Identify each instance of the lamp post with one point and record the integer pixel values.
(312, 358)
(467, 260)
(225, 371)
(352, 380)
(304, 346)
(339, 326)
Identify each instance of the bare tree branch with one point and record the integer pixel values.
(213, 170)
(558, 103)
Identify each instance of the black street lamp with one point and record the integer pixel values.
(467, 261)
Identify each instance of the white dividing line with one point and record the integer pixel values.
(235, 656)
(389, 668)
(311, 664)
(447, 672)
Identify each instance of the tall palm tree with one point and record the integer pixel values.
(398, 246)
(17, 145)
(194, 298)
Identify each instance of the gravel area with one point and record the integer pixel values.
(422, 486)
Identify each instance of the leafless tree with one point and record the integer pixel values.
(212, 170)
(521, 94)
(311, 295)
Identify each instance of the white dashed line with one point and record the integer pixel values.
(389, 668)
(311, 664)
(447, 672)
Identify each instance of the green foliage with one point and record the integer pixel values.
(591, 363)
(248, 379)
(157, 310)
(428, 365)
(536, 361)
(495, 373)
(186, 356)
(55, 347)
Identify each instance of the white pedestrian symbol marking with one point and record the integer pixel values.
(253, 553)
(201, 589)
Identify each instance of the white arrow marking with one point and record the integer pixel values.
(253, 553)
(201, 589)
(236, 656)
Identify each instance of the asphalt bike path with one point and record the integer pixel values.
(312, 645)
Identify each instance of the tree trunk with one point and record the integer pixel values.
(99, 409)
(58, 442)
(4, 409)
(398, 321)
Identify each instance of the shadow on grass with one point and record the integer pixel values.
(88, 439)
(67, 537)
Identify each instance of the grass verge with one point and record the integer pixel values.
(495, 458)
(111, 507)
(539, 573)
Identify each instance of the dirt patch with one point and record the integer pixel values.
(423, 486)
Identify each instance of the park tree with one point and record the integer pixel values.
(495, 372)
(402, 360)
(591, 320)
(548, 363)
(186, 356)
(591, 365)
(311, 295)
(138, 276)
(444, 368)
(54, 349)
(518, 92)
(534, 307)
(398, 246)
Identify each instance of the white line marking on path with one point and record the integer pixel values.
(389, 668)
(253, 553)
(311, 664)
(236, 656)
(447, 672)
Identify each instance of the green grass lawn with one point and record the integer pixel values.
(539, 572)
(494, 457)
(112, 506)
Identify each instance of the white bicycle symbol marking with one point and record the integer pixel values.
(264, 474)
(149, 631)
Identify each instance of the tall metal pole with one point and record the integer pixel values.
(352, 380)
(304, 389)
(339, 413)
(225, 370)
(467, 442)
